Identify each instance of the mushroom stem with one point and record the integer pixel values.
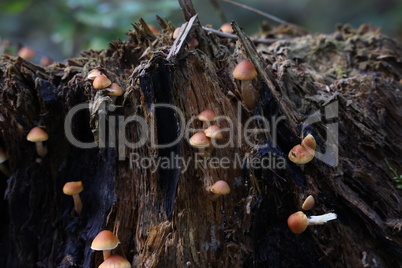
(249, 94)
(211, 195)
(317, 220)
(77, 203)
(5, 170)
(106, 253)
(40, 149)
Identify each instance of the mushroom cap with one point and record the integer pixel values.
(153, 29)
(26, 53)
(220, 188)
(199, 140)
(115, 90)
(93, 74)
(300, 155)
(115, 261)
(226, 28)
(73, 188)
(101, 82)
(214, 132)
(245, 70)
(193, 42)
(3, 155)
(308, 203)
(105, 240)
(37, 134)
(298, 222)
(207, 116)
(176, 32)
(309, 142)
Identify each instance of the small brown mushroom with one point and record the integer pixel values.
(101, 82)
(105, 241)
(74, 188)
(114, 90)
(219, 188)
(245, 71)
(207, 116)
(115, 261)
(226, 28)
(214, 132)
(26, 53)
(38, 135)
(300, 155)
(298, 221)
(308, 203)
(93, 74)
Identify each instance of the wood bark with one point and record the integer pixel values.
(351, 78)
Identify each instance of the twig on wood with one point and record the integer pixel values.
(264, 14)
(218, 9)
(254, 40)
(181, 38)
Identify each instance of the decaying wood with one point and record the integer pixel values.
(165, 218)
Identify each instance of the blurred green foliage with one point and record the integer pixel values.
(62, 28)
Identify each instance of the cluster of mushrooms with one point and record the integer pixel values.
(105, 240)
(298, 222)
(204, 141)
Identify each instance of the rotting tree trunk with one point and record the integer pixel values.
(165, 218)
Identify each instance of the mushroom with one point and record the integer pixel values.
(3, 167)
(308, 203)
(298, 221)
(93, 74)
(226, 28)
(309, 143)
(114, 90)
(192, 43)
(300, 155)
(38, 135)
(26, 53)
(202, 142)
(245, 72)
(74, 188)
(219, 188)
(207, 116)
(101, 82)
(214, 132)
(176, 33)
(115, 261)
(105, 241)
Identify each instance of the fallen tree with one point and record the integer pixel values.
(343, 88)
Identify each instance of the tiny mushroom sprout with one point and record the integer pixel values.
(115, 261)
(93, 74)
(38, 135)
(192, 43)
(300, 155)
(309, 143)
(298, 221)
(200, 141)
(74, 188)
(226, 28)
(3, 167)
(214, 132)
(207, 116)
(26, 53)
(105, 241)
(176, 33)
(308, 203)
(101, 82)
(114, 90)
(219, 188)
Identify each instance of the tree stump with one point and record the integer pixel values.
(343, 88)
